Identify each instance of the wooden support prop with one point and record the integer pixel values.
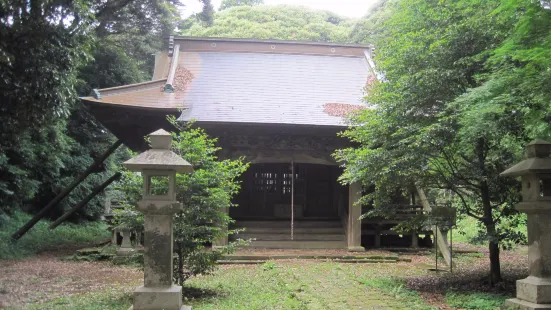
(23, 230)
(84, 201)
(439, 238)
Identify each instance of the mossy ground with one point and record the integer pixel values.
(50, 281)
(285, 284)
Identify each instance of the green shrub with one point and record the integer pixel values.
(482, 301)
(205, 193)
(39, 238)
(269, 266)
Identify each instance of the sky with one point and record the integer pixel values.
(346, 8)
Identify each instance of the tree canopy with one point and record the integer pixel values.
(462, 95)
(50, 53)
(283, 22)
(226, 4)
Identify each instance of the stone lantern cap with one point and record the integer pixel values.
(537, 160)
(159, 157)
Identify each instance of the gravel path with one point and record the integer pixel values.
(46, 277)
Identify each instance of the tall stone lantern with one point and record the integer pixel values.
(158, 166)
(534, 292)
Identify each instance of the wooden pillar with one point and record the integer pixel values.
(377, 236)
(414, 240)
(222, 241)
(354, 224)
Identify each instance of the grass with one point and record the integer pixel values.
(241, 287)
(396, 288)
(273, 285)
(293, 285)
(475, 300)
(264, 286)
(113, 299)
(40, 238)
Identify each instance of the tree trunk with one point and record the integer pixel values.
(495, 268)
(488, 220)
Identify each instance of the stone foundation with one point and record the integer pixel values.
(158, 298)
(534, 290)
(519, 304)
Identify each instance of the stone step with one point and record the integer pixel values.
(312, 257)
(285, 224)
(346, 261)
(363, 261)
(297, 230)
(240, 262)
(287, 236)
(287, 244)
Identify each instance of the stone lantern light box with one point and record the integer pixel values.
(159, 205)
(534, 292)
(159, 163)
(535, 171)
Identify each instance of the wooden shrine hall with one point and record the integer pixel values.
(279, 104)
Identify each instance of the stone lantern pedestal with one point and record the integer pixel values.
(126, 246)
(534, 292)
(158, 167)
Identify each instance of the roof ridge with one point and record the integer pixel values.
(296, 42)
(169, 85)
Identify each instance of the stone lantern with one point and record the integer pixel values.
(158, 167)
(534, 292)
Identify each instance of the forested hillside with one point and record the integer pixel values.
(46, 136)
(282, 22)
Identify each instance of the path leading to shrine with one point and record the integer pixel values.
(47, 282)
(300, 284)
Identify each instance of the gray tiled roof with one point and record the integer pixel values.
(271, 88)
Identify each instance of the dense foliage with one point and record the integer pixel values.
(37, 55)
(463, 92)
(226, 4)
(205, 194)
(41, 238)
(283, 22)
(51, 52)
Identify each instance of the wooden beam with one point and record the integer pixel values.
(440, 238)
(84, 201)
(23, 230)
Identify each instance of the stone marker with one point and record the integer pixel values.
(534, 292)
(126, 246)
(159, 207)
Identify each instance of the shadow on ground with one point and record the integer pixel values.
(201, 294)
(464, 280)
